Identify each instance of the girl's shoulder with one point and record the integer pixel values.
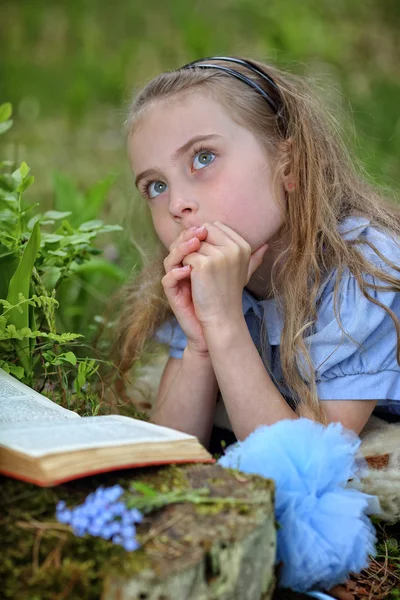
(354, 340)
(377, 245)
(347, 315)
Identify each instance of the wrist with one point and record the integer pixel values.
(226, 334)
(198, 354)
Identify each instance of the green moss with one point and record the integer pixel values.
(41, 558)
(164, 480)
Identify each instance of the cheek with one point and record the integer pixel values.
(161, 227)
(247, 205)
(242, 203)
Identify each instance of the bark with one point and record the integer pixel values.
(219, 552)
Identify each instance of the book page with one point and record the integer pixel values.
(39, 439)
(19, 402)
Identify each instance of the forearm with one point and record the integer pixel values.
(250, 397)
(187, 396)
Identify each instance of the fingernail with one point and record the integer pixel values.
(185, 268)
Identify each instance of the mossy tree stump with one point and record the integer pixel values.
(220, 551)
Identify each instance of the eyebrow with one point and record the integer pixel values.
(178, 153)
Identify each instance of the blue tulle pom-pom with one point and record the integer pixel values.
(324, 532)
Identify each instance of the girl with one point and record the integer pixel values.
(278, 286)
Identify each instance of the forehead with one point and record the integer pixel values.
(170, 123)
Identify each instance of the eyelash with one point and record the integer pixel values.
(144, 188)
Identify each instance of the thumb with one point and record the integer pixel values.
(256, 259)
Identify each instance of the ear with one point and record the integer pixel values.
(289, 184)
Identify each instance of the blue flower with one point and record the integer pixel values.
(103, 515)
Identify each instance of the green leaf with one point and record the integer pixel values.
(32, 221)
(67, 227)
(20, 284)
(69, 357)
(7, 215)
(56, 214)
(6, 126)
(107, 228)
(5, 111)
(90, 225)
(7, 183)
(63, 338)
(82, 238)
(18, 372)
(24, 169)
(7, 240)
(20, 174)
(51, 238)
(9, 197)
(27, 182)
(60, 253)
(27, 332)
(13, 333)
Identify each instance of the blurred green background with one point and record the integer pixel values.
(69, 69)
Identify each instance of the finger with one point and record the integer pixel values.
(230, 237)
(256, 259)
(217, 236)
(207, 249)
(195, 259)
(231, 233)
(187, 234)
(170, 280)
(175, 257)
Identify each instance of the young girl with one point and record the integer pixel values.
(278, 286)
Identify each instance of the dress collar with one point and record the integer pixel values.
(268, 310)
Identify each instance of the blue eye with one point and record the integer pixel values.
(156, 188)
(203, 159)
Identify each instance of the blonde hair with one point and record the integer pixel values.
(327, 188)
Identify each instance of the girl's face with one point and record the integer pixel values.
(194, 165)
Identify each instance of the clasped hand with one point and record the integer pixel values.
(206, 271)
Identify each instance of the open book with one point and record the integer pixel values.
(46, 444)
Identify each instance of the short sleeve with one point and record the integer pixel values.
(361, 365)
(171, 333)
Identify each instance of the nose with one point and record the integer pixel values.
(181, 207)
